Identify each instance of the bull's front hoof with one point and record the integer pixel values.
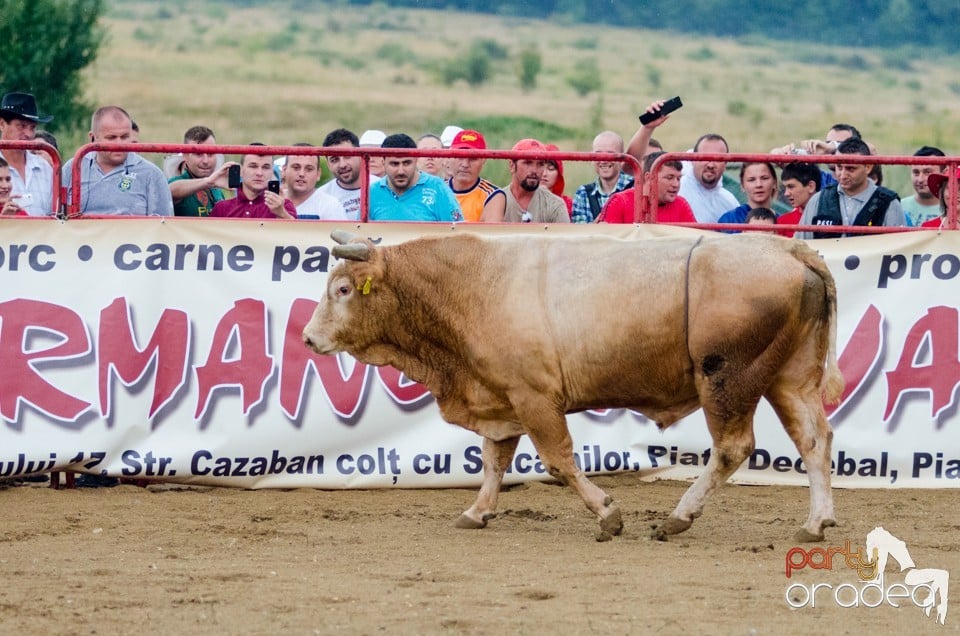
(806, 536)
(672, 525)
(612, 524)
(466, 522)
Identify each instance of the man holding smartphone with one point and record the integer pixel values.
(200, 184)
(255, 198)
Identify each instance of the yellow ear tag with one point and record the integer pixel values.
(365, 288)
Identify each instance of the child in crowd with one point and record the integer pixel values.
(8, 203)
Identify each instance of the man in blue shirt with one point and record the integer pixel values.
(407, 194)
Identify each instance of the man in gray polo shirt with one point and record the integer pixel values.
(118, 182)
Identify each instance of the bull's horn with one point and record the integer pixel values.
(352, 251)
(342, 236)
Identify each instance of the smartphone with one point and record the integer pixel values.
(273, 186)
(668, 107)
(23, 199)
(233, 176)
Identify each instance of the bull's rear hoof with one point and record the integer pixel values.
(465, 522)
(603, 536)
(672, 525)
(612, 524)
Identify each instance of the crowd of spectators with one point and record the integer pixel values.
(403, 188)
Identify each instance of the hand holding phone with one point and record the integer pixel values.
(233, 176)
(273, 186)
(668, 107)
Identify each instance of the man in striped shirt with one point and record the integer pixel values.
(475, 194)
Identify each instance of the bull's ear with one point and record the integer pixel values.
(342, 236)
(352, 251)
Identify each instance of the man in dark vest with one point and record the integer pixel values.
(855, 200)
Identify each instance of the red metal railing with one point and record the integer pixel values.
(57, 192)
(212, 149)
(645, 203)
(647, 213)
(332, 151)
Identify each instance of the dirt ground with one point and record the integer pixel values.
(178, 560)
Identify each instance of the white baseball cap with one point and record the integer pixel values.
(446, 137)
(372, 138)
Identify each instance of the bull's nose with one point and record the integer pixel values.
(307, 341)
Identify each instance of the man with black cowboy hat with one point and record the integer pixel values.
(32, 176)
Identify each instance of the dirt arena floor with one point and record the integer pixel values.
(171, 559)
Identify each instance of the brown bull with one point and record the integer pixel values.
(511, 334)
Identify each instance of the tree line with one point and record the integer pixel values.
(865, 23)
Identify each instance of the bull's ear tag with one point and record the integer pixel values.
(365, 288)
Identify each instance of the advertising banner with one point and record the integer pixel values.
(170, 349)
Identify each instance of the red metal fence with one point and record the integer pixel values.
(648, 210)
(645, 203)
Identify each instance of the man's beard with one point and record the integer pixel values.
(530, 185)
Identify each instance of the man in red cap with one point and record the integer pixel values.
(477, 196)
(31, 176)
(527, 202)
(937, 182)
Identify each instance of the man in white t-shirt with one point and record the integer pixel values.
(702, 181)
(345, 186)
(300, 175)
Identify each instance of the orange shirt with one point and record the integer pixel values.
(472, 200)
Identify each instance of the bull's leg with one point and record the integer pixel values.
(496, 457)
(801, 413)
(552, 440)
(732, 443)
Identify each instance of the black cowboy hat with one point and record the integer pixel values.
(23, 106)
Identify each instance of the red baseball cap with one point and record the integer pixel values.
(469, 139)
(528, 144)
(936, 181)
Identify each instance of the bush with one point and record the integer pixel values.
(473, 66)
(491, 48)
(585, 77)
(653, 76)
(702, 54)
(586, 43)
(46, 46)
(396, 53)
(528, 68)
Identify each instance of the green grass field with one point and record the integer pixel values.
(283, 72)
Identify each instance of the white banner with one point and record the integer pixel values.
(170, 349)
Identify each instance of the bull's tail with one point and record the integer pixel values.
(831, 382)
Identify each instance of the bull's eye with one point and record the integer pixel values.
(343, 290)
